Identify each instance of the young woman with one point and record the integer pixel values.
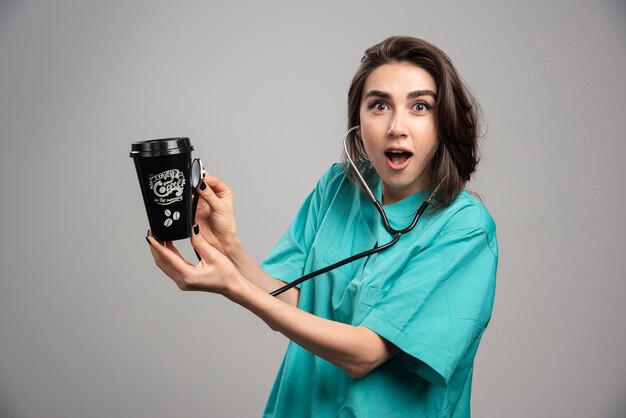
(393, 334)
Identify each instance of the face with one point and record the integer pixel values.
(398, 127)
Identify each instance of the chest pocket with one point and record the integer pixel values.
(357, 298)
(336, 245)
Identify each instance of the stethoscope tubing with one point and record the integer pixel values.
(334, 266)
(195, 182)
(397, 233)
(379, 207)
(194, 206)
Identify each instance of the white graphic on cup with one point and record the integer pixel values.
(174, 217)
(167, 186)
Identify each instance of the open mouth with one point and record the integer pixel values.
(397, 158)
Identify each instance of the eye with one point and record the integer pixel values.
(379, 106)
(421, 107)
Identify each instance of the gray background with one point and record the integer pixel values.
(89, 327)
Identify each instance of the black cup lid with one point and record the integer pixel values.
(159, 147)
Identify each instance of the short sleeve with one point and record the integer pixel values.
(287, 259)
(440, 303)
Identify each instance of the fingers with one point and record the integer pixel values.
(203, 208)
(214, 273)
(215, 192)
(219, 187)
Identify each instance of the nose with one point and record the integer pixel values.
(397, 125)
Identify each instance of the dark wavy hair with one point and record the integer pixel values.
(457, 114)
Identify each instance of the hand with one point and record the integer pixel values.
(215, 273)
(215, 214)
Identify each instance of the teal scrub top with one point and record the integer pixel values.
(431, 295)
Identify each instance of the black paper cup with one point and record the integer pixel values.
(163, 169)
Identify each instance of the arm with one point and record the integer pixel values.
(356, 350)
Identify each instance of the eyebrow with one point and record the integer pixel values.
(412, 95)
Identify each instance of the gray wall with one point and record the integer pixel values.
(89, 327)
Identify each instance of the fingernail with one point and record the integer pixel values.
(196, 228)
(202, 185)
(148, 241)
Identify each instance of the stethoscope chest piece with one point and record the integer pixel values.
(197, 173)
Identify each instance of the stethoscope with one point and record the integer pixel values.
(397, 233)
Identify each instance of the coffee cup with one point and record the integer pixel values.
(164, 169)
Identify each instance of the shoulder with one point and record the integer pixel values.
(467, 213)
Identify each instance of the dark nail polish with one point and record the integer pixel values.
(148, 241)
(202, 185)
(196, 229)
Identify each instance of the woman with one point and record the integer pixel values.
(393, 334)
